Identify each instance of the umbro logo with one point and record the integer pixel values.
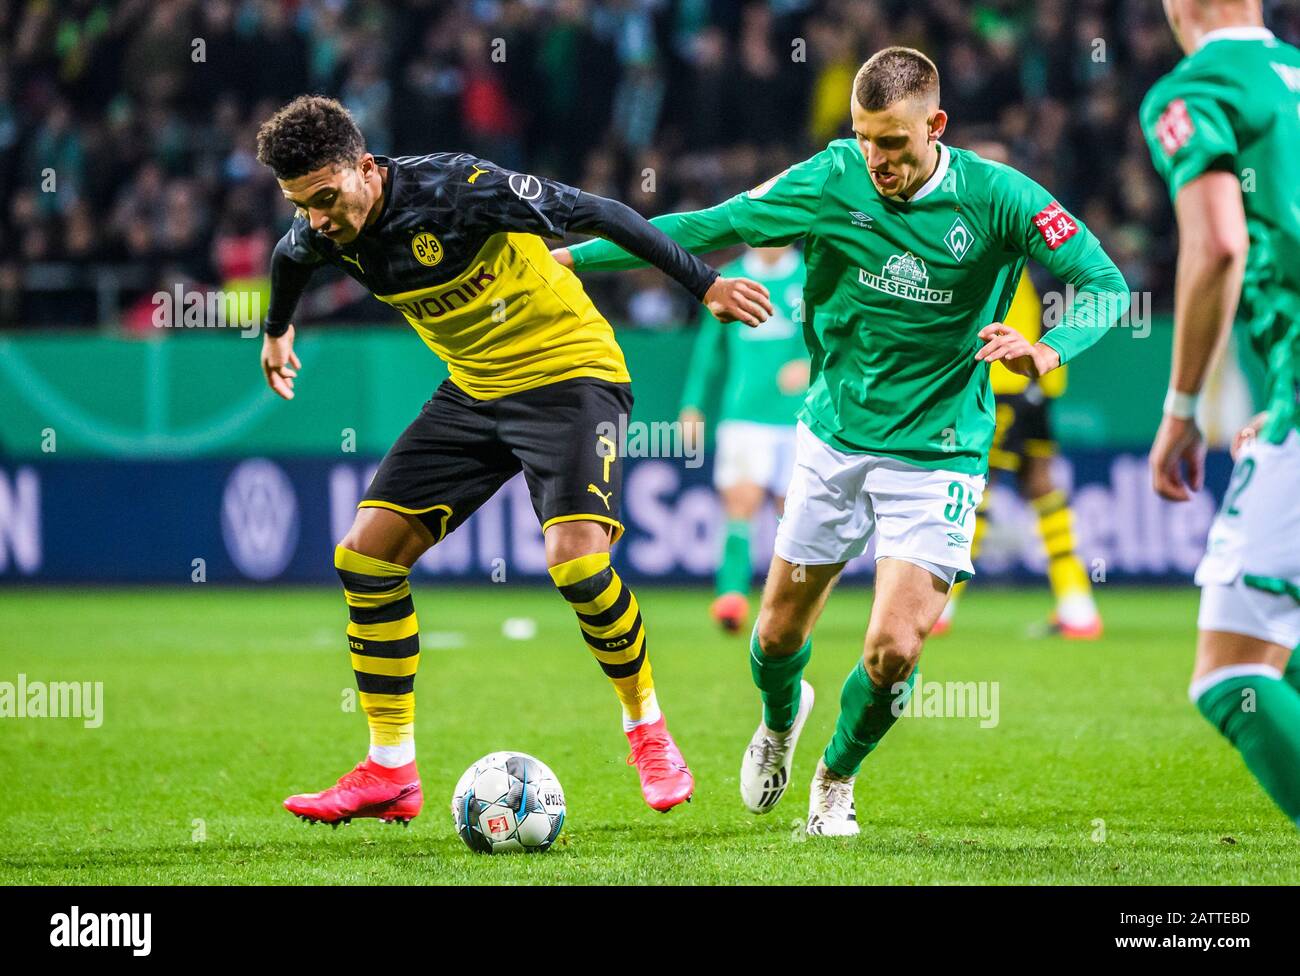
(956, 539)
(860, 219)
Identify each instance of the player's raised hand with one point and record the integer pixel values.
(738, 300)
(280, 363)
(1005, 345)
(1178, 442)
(562, 255)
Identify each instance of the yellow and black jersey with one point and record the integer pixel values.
(456, 250)
(1026, 316)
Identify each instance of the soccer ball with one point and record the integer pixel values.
(508, 801)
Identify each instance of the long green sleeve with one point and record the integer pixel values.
(1040, 228)
(698, 231)
(706, 357)
(1101, 297)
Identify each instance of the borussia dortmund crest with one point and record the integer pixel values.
(427, 249)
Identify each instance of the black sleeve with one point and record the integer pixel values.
(496, 199)
(619, 224)
(292, 264)
(500, 199)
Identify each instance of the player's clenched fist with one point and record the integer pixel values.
(280, 363)
(1004, 344)
(738, 300)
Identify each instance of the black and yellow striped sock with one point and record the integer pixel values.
(611, 625)
(384, 638)
(1065, 569)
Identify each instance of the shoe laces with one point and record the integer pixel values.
(769, 753)
(359, 777)
(651, 754)
(838, 796)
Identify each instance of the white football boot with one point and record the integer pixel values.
(830, 804)
(765, 769)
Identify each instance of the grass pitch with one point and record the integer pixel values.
(219, 703)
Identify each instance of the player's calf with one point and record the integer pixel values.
(609, 619)
(384, 645)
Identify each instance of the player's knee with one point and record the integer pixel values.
(1035, 480)
(891, 653)
(779, 635)
(570, 540)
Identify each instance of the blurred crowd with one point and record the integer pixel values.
(127, 128)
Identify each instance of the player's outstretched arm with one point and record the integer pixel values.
(1213, 242)
(697, 231)
(729, 299)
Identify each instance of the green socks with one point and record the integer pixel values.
(734, 573)
(777, 679)
(1260, 715)
(866, 713)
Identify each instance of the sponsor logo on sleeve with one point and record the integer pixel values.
(525, 187)
(1174, 127)
(1055, 225)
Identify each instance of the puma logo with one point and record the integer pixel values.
(478, 171)
(603, 495)
(356, 261)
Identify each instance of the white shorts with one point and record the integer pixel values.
(1254, 543)
(762, 454)
(837, 501)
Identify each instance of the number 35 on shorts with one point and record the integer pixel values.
(961, 502)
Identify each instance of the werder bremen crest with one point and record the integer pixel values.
(904, 276)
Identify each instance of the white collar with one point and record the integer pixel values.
(935, 178)
(1236, 34)
(782, 269)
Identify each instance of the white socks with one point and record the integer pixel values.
(649, 714)
(393, 756)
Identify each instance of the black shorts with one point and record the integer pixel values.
(459, 451)
(1023, 430)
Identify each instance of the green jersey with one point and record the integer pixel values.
(897, 291)
(752, 359)
(1234, 105)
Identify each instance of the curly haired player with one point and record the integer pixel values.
(452, 242)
